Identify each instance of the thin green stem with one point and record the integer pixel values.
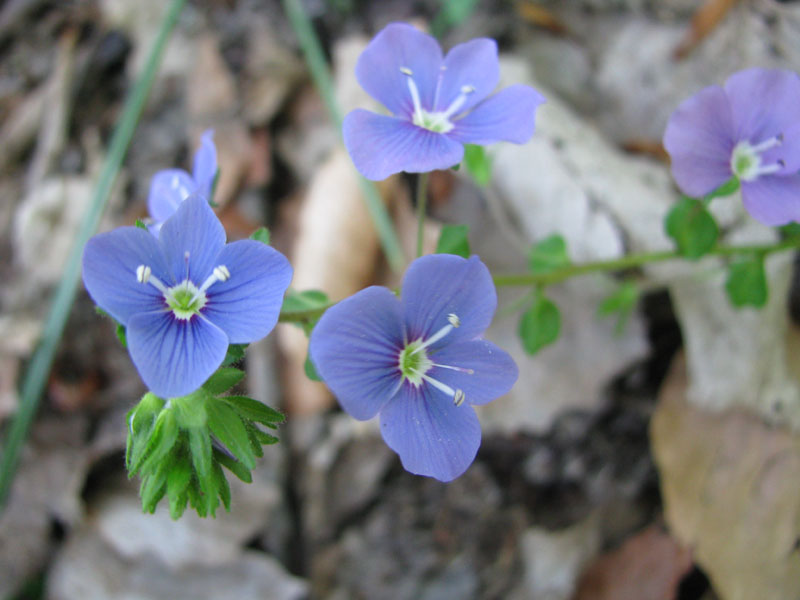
(36, 374)
(422, 202)
(629, 261)
(318, 66)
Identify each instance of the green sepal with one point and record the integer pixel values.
(261, 235)
(223, 489)
(539, 325)
(223, 380)
(233, 466)
(453, 240)
(253, 410)
(191, 410)
(692, 228)
(478, 164)
(153, 489)
(140, 224)
(141, 421)
(622, 303)
(161, 442)
(229, 429)
(726, 189)
(746, 284)
(550, 254)
(178, 480)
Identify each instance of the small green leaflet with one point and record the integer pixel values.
(261, 235)
(747, 282)
(540, 325)
(478, 164)
(453, 240)
(223, 380)
(550, 254)
(622, 303)
(692, 227)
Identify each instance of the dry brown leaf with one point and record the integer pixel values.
(649, 565)
(729, 483)
(541, 17)
(704, 21)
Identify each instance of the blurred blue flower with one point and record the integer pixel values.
(186, 295)
(418, 362)
(750, 129)
(438, 103)
(170, 187)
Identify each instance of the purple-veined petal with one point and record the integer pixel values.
(438, 285)
(110, 261)
(507, 116)
(488, 371)
(381, 146)
(473, 64)
(763, 102)
(246, 306)
(168, 189)
(432, 436)
(773, 200)
(700, 138)
(400, 46)
(174, 357)
(194, 230)
(355, 348)
(204, 168)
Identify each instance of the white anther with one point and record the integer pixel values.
(222, 273)
(467, 89)
(454, 320)
(459, 397)
(412, 88)
(406, 71)
(434, 338)
(143, 273)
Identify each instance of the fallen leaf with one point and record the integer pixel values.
(704, 21)
(539, 16)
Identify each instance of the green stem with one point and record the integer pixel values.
(38, 369)
(318, 66)
(629, 261)
(422, 201)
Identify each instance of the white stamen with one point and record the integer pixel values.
(457, 395)
(434, 338)
(767, 144)
(222, 273)
(768, 169)
(412, 87)
(456, 104)
(459, 369)
(144, 274)
(454, 320)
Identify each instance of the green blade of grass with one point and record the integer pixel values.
(318, 66)
(38, 369)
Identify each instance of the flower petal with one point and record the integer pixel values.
(174, 357)
(381, 146)
(700, 138)
(773, 200)
(168, 189)
(432, 436)
(438, 285)
(763, 102)
(473, 64)
(400, 46)
(110, 261)
(204, 169)
(493, 371)
(194, 230)
(355, 348)
(247, 305)
(507, 116)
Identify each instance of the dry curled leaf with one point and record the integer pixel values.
(704, 21)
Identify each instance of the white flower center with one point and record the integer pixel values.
(746, 161)
(440, 122)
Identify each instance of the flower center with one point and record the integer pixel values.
(439, 122)
(746, 161)
(414, 363)
(184, 299)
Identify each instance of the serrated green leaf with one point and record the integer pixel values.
(255, 444)
(265, 438)
(140, 224)
(453, 240)
(726, 189)
(200, 449)
(478, 164)
(233, 466)
(196, 499)
(253, 410)
(161, 442)
(692, 227)
(153, 489)
(223, 487)
(539, 325)
(235, 354)
(311, 371)
(261, 235)
(191, 410)
(141, 423)
(178, 479)
(622, 302)
(229, 429)
(223, 380)
(747, 283)
(550, 254)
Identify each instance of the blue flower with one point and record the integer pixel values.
(170, 187)
(418, 362)
(439, 104)
(749, 128)
(184, 296)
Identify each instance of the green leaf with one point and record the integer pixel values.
(200, 449)
(453, 240)
(622, 302)
(234, 355)
(747, 282)
(178, 479)
(261, 235)
(540, 325)
(223, 487)
(191, 409)
(549, 255)
(163, 439)
(140, 224)
(305, 300)
(452, 14)
(478, 163)
(310, 369)
(121, 335)
(229, 429)
(692, 227)
(152, 490)
(253, 410)
(141, 423)
(233, 466)
(265, 438)
(223, 380)
(726, 189)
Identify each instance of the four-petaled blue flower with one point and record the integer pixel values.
(750, 129)
(170, 187)
(184, 296)
(439, 104)
(418, 361)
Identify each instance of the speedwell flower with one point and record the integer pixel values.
(184, 296)
(439, 103)
(170, 187)
(418, 362)
(750, 129)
